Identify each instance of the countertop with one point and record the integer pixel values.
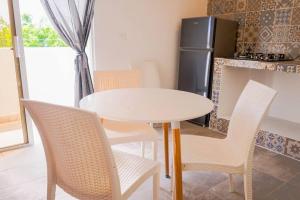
(283, 66)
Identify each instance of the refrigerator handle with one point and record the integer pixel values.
(208, 70)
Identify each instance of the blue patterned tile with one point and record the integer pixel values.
(271, 141)
(283, 17)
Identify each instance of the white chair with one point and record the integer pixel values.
(80, 159)
(125, 132)
(151, 79)
(234, 154)
(150, 74)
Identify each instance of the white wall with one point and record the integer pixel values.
(286, 104)
(9, 98)
(128, 32)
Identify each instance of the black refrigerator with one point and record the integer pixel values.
(202, 39)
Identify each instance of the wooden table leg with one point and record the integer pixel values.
(166, 148)
(177, 164)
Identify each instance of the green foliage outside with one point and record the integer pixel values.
(5, 36)
(33, 35)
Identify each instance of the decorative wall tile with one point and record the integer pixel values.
(296, 16)
(283, 17)
(293, 50)
(241, 5)
(222, 125)
(297, 3)
(298, 69)
(271, 141)
(265, 34)
(249, 47)
(217, 7)
(215, 97)
(261, 47)
(271, 67)
(278, 48)
(213, 119)
(253, 5)
(272, 25)
(280, 34)
(294, 34)
(209, 8)
(289, 68)
(268, 4)
(251, 34)
(240, 47)
(267, 17)
(240, 18)
(227, 16)
(229, 6)
(284, 4)
(253, 19)
(240, 35)
(293, 148)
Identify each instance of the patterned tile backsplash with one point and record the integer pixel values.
(266, 26)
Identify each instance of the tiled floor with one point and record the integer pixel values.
(11, 137)
(23, 176)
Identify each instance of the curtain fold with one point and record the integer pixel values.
(72, 19)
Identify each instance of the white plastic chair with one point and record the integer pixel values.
(150, 74)
(234, 154)
(125, 132)
(80, 159)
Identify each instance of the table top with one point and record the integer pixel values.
(147, 105)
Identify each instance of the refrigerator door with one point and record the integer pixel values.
(197, 33)
(194, 75)
(194, 71)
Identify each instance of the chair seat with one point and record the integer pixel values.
(127, 132)
(205, 153)
(133, 171)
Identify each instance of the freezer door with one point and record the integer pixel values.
(197, 33)
(194, 71)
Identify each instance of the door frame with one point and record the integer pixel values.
(21, 75)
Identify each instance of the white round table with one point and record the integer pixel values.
(151, 106)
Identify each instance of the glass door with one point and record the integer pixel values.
(14, 131)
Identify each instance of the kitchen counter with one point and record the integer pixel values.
(283, 66)
(280, 130)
